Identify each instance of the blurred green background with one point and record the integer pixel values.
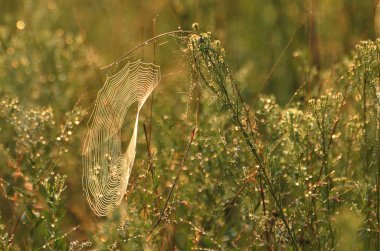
(255, 34)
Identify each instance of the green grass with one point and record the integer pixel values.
(218, 166)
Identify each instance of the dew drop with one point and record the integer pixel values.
(20, 24)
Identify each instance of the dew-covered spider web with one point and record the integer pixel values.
(106, 167)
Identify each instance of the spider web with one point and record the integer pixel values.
(106, 168)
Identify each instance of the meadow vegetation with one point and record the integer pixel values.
(246, 143)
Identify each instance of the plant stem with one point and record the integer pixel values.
(174, 183)
(236, 119)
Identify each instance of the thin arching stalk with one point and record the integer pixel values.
(126, 55)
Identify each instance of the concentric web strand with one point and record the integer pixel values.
(106, 167)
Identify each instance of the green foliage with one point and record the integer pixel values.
(5, 240)
(30, 186)
(258, 173)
